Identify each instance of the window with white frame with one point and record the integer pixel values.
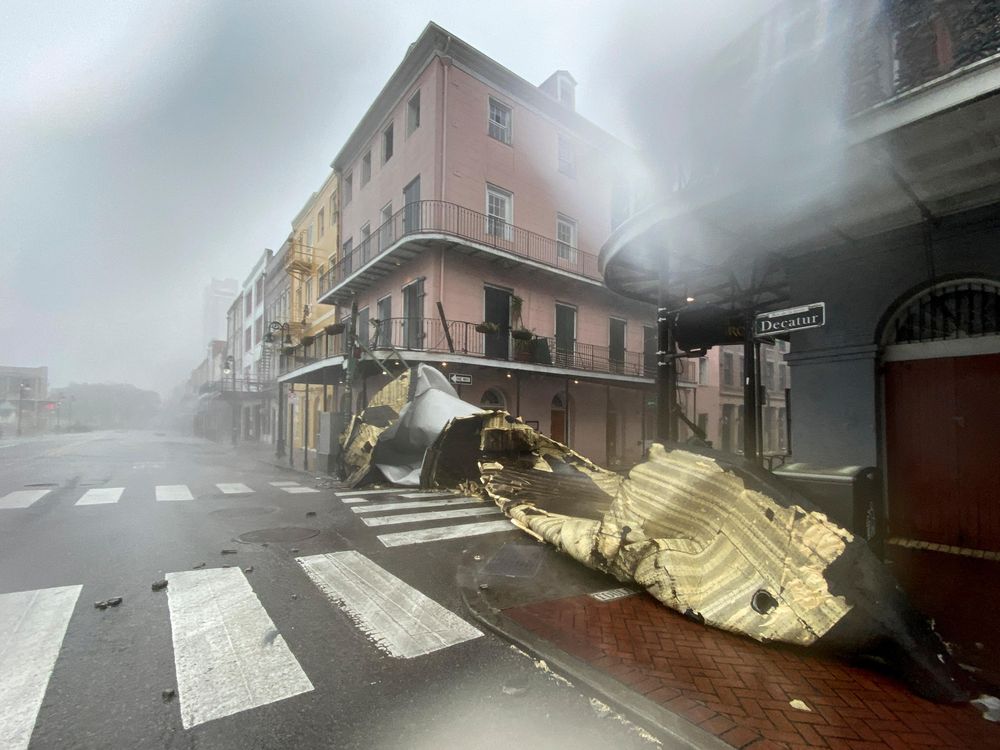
(566, 238)
(500, 121)
(567, 157)
(499, 212)
(366, 168)
(348, 187)
(387, 143)
(413, 113)
(320, 222)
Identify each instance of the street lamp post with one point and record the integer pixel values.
(230, 369)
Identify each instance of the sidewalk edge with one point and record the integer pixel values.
(667, 725)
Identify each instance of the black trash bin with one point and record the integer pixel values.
(849, 495)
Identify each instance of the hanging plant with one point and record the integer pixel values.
(487, 327)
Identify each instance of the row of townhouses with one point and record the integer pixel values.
(459, 226)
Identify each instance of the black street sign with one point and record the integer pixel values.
(777, 322)
(459, 379)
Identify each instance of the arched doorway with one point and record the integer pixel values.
(941, 389)
(493, 398)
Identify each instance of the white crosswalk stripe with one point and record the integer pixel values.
(426, 516)
(352, 493)
(398, 618)
(234, 488)
(377, 507)
(411, 495)
(172, 492)
(422, 536)
(353, 500)
(298, 490)
(22, 498)
(228, 655)
(284, 484)
(101, 496)
(32, 627)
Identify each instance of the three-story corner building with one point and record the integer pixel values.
(310, 251)
(472, 205)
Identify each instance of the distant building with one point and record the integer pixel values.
(24, 399)
(217, 297)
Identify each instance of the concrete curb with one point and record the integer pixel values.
(673, 730)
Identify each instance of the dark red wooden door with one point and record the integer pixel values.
(942, 439)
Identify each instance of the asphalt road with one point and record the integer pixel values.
(381, 653)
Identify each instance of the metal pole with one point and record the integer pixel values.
(305, 430)
(750, 448)
(568, 445)
(20, 407)
(666, 373)
(280, 442)
(291, 425)
(236, 405)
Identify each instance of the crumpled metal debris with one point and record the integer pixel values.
(722, 542)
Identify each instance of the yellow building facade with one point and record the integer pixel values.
(312, 249)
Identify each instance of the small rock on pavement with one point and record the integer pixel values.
(311, 513)
(159, 585)
(105, 603)
(248, 569)
(198, 566)
(294, 550)
(228, 552)
(168, 695)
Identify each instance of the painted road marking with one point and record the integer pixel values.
(284, 484)
(234, 488)
(402, 538)
(299, 490)
(399, 619)
(421, 504)
(352, 500)
(368, 492)
(101, 496)
(22, 498)
(426, 494)
(433, 515)
(170, 492)
(32, 626)
(228, 655)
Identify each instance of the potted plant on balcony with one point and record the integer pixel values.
(487, 327)
(518, 332)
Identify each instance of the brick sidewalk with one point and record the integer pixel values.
(740, 690)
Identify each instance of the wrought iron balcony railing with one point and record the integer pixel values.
(429, 335)
(439, 217)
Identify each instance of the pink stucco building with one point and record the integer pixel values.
(472, 205)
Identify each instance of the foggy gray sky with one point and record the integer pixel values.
(146, 147)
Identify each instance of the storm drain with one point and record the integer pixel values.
(516, 561)
(283, 534)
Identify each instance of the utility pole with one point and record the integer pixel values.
(22, 389)
(750, 394)
(230, 369)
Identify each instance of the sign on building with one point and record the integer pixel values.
(459, 379)
(777, 322)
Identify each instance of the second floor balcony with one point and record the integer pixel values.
(419, 225)
(465, 339)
